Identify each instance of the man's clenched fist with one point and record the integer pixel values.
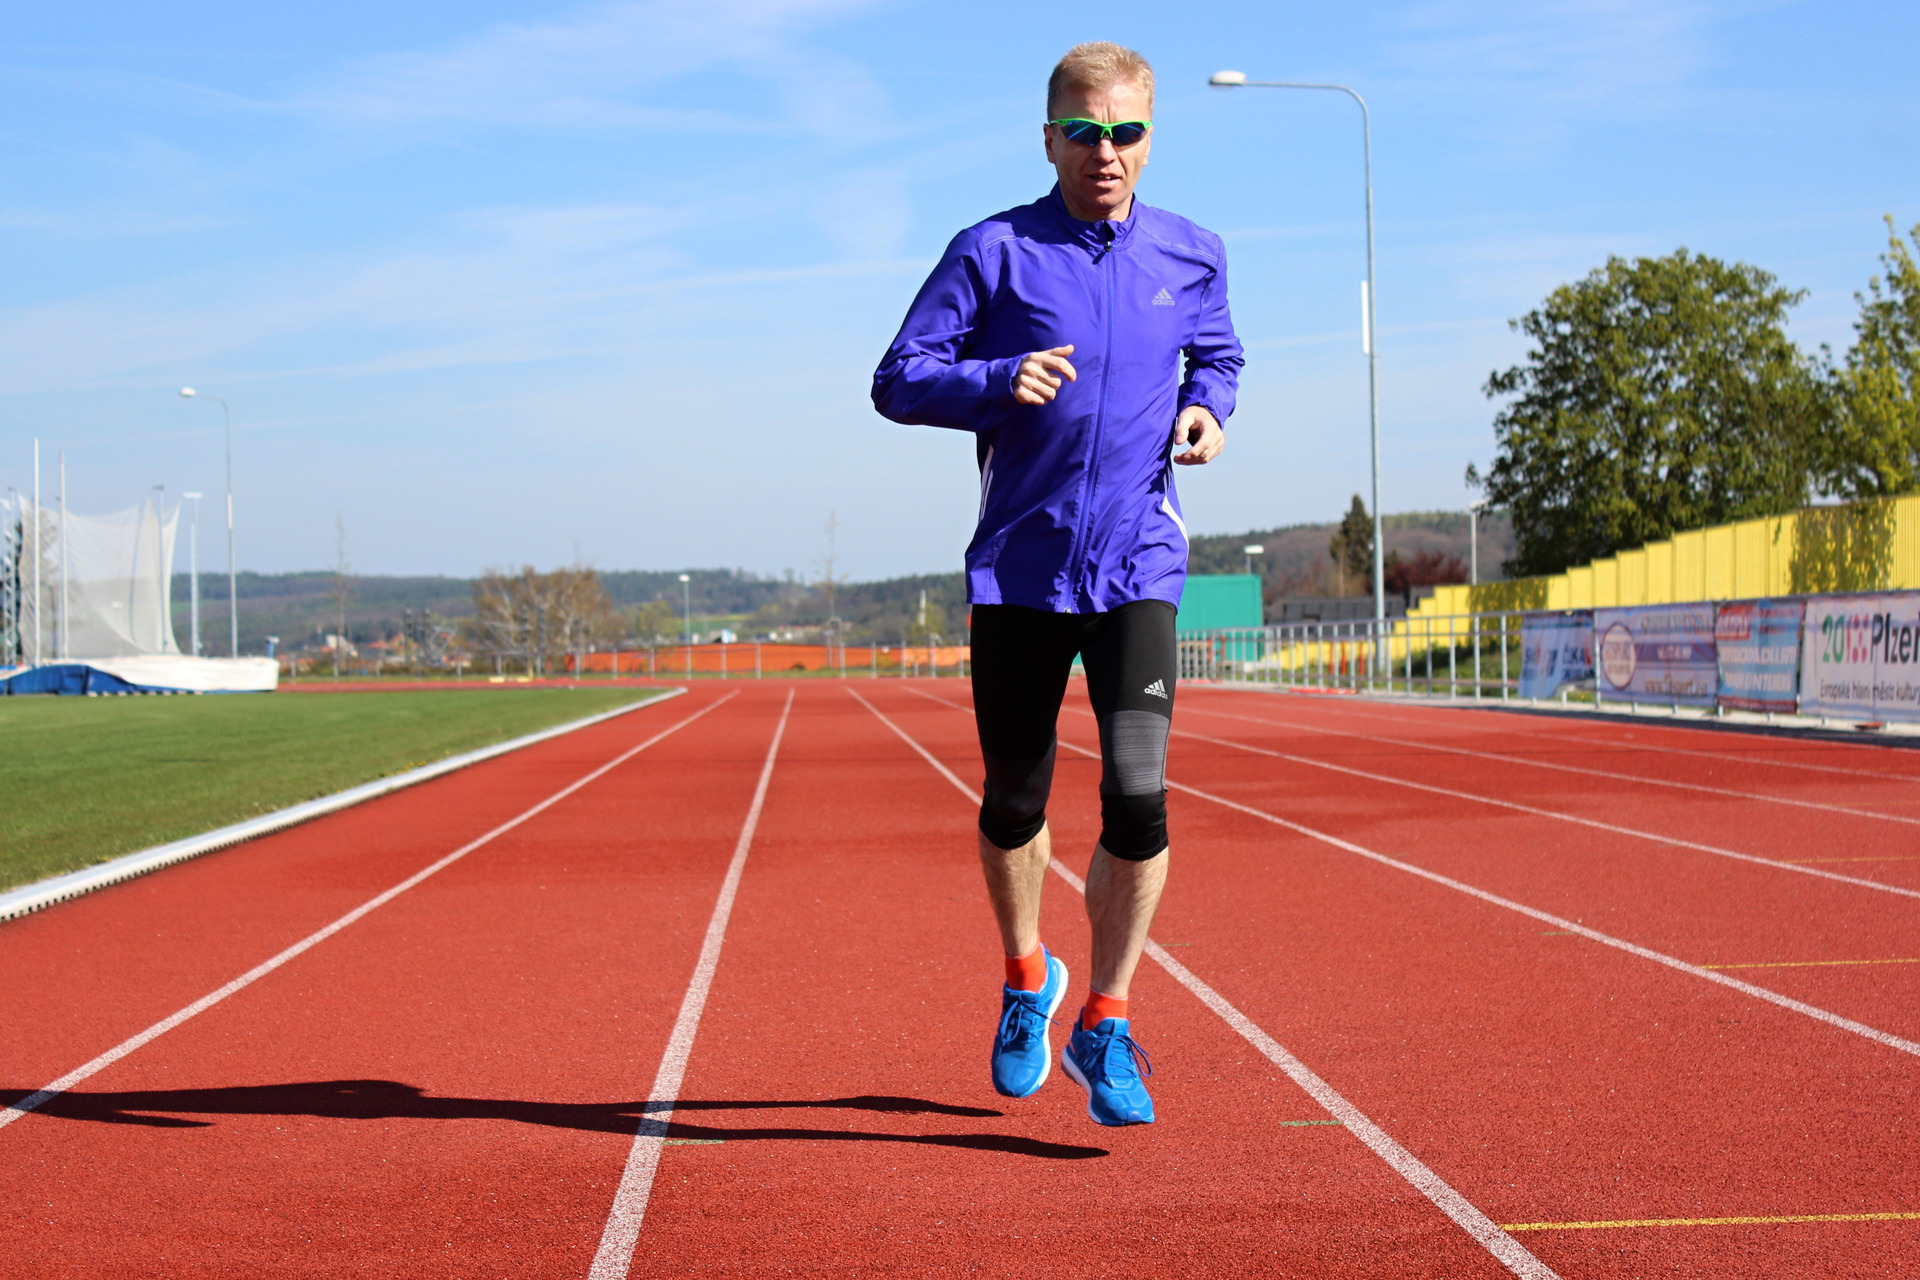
(1200, 430)
(1037, 380)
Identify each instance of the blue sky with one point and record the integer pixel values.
(499, 282)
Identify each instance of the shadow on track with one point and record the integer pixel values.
(388, 1099)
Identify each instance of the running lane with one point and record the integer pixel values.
(447, 1087)
(1548, 1078)
(1844, 947)
(1753, 747)
(1864, 823)
(837, 1114)
(84, 975)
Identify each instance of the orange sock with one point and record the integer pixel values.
(1028, 972)
(1099, 1007)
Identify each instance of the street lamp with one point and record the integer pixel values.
(1238, 80)
(1250, 551)
(193, 572)
(233, 574)
(1474, 509)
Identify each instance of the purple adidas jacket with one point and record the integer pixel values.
(1077, 508)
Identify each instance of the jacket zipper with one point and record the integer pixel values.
(1080, 580)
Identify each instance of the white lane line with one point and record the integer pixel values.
(1517, 807)
(1650, 745)
(1510, 1252)
(615, 1256)
(26, 898)
(1632, 948)
(1645, 953)
(1504, 758)
(14, 1111)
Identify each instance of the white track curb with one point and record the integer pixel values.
(44, 893)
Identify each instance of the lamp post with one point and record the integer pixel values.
(1473, 540)
(193, 573)
(233, 574)
(1238, 80)
(1250, 551)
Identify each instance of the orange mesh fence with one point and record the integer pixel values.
(766, 659)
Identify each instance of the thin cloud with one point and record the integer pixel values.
(496, 286)
(1545, 67)
(586, 71)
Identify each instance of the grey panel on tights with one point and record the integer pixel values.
(1136, 753)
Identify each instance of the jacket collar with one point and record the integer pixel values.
(1097, 236)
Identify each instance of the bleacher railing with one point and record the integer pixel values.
(1854, 656)
(1475, 655)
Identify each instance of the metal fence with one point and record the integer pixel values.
(1469, 655)
(1851, 655)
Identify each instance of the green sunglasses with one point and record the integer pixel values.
(1090, 133)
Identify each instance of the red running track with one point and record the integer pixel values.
(451, 1083)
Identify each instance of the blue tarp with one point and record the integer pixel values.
(71, 678)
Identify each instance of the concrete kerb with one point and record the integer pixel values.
(55, 889)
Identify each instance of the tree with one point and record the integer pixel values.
(534, 616)
(1424, 569)
(651, 622)
(1874, 448)
(1660, 395)
(1352, 545)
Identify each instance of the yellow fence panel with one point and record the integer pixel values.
(1716, 570)
(1906, 541)
(1865, 546)
(1633, 579)
(1660, 560)
(1689, 580)
(1749, 559)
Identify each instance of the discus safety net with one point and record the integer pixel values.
(80, 587)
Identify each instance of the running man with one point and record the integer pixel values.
(1056, 332)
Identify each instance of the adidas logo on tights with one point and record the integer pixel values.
(1158, 689)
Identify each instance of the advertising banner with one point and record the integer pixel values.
(1657, 653)
(1556, 649)
(1860, 656)
(1759, 650)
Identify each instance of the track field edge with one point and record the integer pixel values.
(1903, 736)
(53, 890)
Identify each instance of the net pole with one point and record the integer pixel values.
(1474, 627)
(1503, 656)
(37, 655)
(63, 635)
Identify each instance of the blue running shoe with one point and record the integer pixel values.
(1022, 1053)
(1101, 1061)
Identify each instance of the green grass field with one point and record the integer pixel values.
(87, 779)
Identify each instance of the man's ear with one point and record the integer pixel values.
(1046, 140)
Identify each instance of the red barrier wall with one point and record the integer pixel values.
(774, 659)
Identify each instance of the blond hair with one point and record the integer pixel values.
(1095, 66)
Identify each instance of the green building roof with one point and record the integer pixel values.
(1220, 600)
